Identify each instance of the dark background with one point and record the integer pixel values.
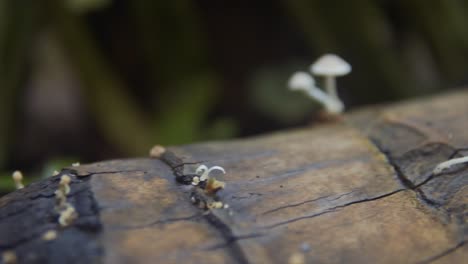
(85, 80)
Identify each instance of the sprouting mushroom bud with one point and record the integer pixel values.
(62, 192)
(64, 184)
(55, 173)
(215, 205)
(297, 258)
(76, 164)
(49, 235)
(67, 216)
(18, 178)
(9, 257)
(330, 66)
(449, 163)
(195, 180)
(213, 186)
(157, 151)
(302, 81)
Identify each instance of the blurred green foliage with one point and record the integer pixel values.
(174, 72)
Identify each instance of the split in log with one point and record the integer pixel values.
(358, 190)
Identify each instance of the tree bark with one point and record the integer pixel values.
(357, 190)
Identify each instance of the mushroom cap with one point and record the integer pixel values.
(17, 176)
(330, 65)
(301, 81)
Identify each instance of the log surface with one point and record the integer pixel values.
(358, 190)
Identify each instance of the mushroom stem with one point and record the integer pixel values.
(330, 86)
(333, 105)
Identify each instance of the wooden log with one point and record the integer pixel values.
(358, 190)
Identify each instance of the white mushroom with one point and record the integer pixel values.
(204, 171)
(302, 81)
(330, 66)
(449, 163)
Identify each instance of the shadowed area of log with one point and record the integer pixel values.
(27, 214)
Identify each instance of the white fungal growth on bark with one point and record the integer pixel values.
(18, 178)
(449, 163)
(64, 185)
(67, 213)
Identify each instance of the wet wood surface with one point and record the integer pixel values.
(358, 190)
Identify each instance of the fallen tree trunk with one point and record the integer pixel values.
(358, 190)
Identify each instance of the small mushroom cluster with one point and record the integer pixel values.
(208, 185)
(67, 213)
(203, 172)
(329, 66)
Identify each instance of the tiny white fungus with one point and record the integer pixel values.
(49, 235)
(204, 171)
(449, 163)
(157, 151)
(18, 178)
(76, 164)
(67, 216)
(195, 180)
(215, 205)
(64, 184)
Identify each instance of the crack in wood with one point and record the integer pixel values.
(307, 201)
(157, 222)
(444, 253)
(332, 209)
(235, 250)
(407, 183)
(231, 243)
(234, 239)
